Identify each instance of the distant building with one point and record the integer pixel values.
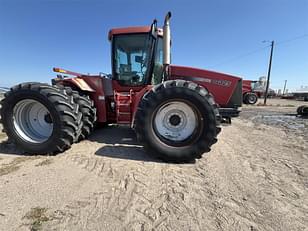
(302, 89)
(260, 86)
(302, 93)
(262, 81)
(279, 92)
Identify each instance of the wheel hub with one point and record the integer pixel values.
(48, 118)
(175, 121)
(251, 98)
(32, 121)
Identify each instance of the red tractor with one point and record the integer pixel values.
(250, 96)
(175, 110)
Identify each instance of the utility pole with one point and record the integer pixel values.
(269, 72)
(284, 88)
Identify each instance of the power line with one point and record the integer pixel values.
(257, 50)
(292, 39)
(240, 56)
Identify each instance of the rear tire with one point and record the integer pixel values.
(177, 121)
(305, 111)
(39, 118)
(299, 110)
(302, 110)
(250, 98)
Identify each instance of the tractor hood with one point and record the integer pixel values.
(226, 89)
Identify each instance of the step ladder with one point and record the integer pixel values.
(123, 102)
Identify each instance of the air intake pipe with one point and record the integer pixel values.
(166, 40)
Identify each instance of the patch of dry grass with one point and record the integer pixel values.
(262, 104)
(44, 162)
(14, 165)
(289, 105)
(2, 135)
(275, 105)
(7, 169)
(36, 216)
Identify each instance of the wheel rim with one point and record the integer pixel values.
(32, 121)
(175, 121)
(251, 98)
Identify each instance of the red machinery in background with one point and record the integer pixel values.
(250, 95)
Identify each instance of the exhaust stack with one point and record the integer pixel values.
(166, 39)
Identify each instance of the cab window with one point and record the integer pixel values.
(158, 63)
(131, 58)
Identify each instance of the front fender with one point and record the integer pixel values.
(74, 82)
(80, 83)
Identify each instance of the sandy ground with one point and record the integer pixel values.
(255, 178)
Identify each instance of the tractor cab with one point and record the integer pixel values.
(137, 55)
(136, 59)
(138, 62)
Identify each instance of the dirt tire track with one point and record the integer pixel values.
(193, 193)
(255, 178)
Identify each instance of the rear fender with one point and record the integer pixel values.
(136, 99)
(224, 87)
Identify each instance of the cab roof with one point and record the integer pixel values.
(132, 30)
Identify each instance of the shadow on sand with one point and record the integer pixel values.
(120, 142)
(9, 148)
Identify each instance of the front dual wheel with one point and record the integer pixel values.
(44, 119)
(177, 121)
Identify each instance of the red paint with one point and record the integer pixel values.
(93, 82)
(132, 30)
(247, 88)
(127, 98)
(120, 88)
(137, 96)
(222, 94)
(96, 83)
(112, 92)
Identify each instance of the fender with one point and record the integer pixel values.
(226, 89)
(137, 97)
(93, 86)
(79, 83)
(76, 81)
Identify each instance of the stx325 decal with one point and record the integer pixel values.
(224, 83)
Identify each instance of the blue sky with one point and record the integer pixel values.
(220, 35)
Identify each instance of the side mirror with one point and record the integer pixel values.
(138, 59)
(154, 28)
